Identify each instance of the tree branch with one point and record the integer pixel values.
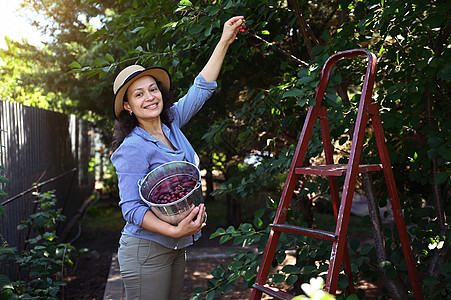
(303, 63)
(394, 286)
(307, 33)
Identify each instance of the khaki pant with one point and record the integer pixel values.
(150, 270)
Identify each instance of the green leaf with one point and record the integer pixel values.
(224, 239)
(441, 177)
(326, 35)
(445, 268)
(22, 226)
(354, 244)
(366, 248)
(97, 63)
(294, 92)
(430, 281)
(75, 65)
(246, 227)
(208, 31)
(229, 4)
(265, 32)
(109, 57)
(228, 287)
(218, 272)
(218, 232)
(434, 20)
(196, 29)
(171, 25)
(445, 152)
(3, 179)
(185, 3)
(213, 10)
(6, 250)
(211, 295)
(39, 248)
(385, 264)
(278, 278)
(258, 222)
(239, 240)
(305, 79)
(435, 142)
(343, 281)
(137, 29)
(333, 100)
(317, 50)
(250, 240)
(292, 279)
(259, 212)
(4, 281)
(235, 265)
(302, 101)
(290, 269)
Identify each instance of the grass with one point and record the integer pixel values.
(104, 216)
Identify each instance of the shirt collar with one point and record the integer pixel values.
(145, 135)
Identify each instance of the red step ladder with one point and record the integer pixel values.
(342, 208)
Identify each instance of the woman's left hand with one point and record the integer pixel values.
(192, 223)
(231, 29)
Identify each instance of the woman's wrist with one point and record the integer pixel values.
(174, 232)
(224, 43)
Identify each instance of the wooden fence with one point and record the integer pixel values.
(45, 150)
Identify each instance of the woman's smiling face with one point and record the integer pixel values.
(144, 98)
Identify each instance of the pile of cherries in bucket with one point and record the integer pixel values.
(172, 189)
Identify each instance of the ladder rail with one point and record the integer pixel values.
(394, 200)
(334, 192)
(282, 209)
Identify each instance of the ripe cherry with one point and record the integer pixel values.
(243, 28)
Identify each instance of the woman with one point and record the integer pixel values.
(152, 252)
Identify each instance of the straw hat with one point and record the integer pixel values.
(126, 77)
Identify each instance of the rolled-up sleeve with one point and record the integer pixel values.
(193, 101)
(129, 172)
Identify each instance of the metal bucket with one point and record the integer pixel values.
(166, 180)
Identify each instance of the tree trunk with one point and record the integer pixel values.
(309, 38)
(305, 205)
(395, 287)
(209, 184)
(233, 216)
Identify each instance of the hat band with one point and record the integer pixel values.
(130, 77)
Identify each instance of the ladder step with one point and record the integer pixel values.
(335, 170)
(272, 291)
(315, 233)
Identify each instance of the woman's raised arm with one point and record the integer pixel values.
(211, 70)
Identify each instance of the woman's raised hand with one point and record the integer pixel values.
(231, 29)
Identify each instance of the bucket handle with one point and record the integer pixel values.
(140, 182)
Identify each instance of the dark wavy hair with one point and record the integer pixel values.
(125, 123)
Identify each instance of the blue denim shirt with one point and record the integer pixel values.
(140, 153)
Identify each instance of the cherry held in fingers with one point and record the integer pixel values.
(243, 28)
